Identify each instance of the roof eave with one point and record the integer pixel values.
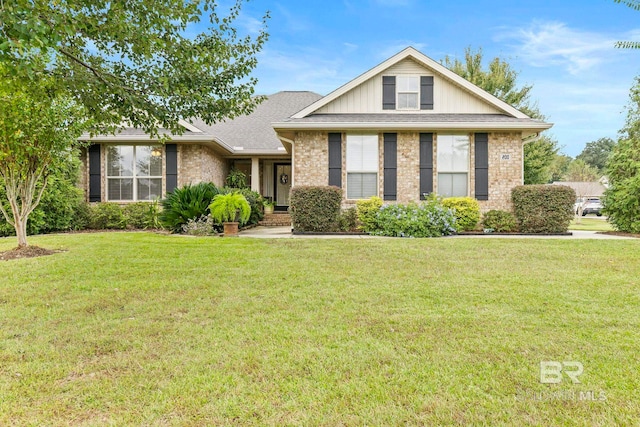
(284, 126)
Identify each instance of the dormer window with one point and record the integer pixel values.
(408, 88)
(407, 92)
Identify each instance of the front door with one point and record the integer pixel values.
(282, 172)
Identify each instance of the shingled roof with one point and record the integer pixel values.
(249, 134)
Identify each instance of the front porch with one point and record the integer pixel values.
(271, 177)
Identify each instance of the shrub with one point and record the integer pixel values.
(106, 216)
(185, 203)
(61, 206)
(315, 208)
(367, 210)
(622, 198)
(500, 221)
(428, 219)
(202, 226)
(142, 215)
(347, 220)
(467, 211)
(543, 208)
(255, 200)
(230, 207)
(236, 179)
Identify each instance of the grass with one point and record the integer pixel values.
(145, 329)
(591, 224)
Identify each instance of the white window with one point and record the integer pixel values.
(134, 172)
(362, 166)
(453, 165)
(408, 89)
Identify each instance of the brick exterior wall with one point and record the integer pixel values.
(310, 160)
(198, 163)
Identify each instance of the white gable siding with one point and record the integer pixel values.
(448, 98)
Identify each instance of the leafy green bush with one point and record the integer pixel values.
(255, 200)
(142, 215)
(230, 207)
(315, 208)
(543, 208)
(185, 203)
(499, 221)
(467, 211)
(347, 220)
(236, 179)
(106, 216)
(61, 206)
(427, 219)
(367, 210)
(622, 198)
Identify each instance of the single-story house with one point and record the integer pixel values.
(405, 128)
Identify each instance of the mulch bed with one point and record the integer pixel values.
(26, 252)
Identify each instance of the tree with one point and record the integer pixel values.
(595, 153)
(38, 129)
(500, 80)
(538, 158)
(622, 198)
(134, 61)
(580, 171)
(559, 167)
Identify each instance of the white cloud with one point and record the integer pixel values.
(544, 44)
(386, 52)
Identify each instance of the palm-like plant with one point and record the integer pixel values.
(231, 207)
(185, 203)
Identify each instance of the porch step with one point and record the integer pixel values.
(276, 220)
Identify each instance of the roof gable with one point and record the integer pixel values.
(360, 94)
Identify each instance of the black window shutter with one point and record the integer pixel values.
(388, 92)
(335, 159)
(426, 92)
(171, 173)
(95, 192)
(482, 165)
(426, 164)
(390, 166)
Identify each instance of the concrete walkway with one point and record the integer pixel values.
(285, 232)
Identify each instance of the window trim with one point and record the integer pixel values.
(362, 171)
(134, 177)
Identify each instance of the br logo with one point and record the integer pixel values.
(551, 371)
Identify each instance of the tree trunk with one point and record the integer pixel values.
(21, 232)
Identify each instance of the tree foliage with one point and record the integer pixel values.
(595, 153)
(539, 155)
(135, 61)
(38, 130)
(499, 79)
(622, 198)
(633, 4)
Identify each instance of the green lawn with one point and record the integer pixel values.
(591, 224)
(145, 329)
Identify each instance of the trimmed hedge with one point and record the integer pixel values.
(543, 208)
(315, 208)
(467, 211)
(367, 211)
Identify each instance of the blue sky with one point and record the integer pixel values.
(564, 48)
